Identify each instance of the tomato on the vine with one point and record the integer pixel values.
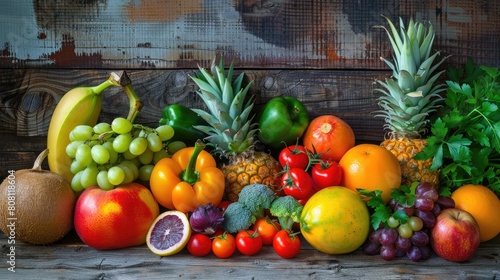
(267, 229)
(199, 245)
(224, 245)
(286, 244)
(248, 242)
(326, 174)
(296, 182)
(294, 156)
(305, 199)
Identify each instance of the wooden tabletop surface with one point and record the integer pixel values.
(71, 259)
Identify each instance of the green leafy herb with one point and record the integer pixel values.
(465, 137)
(381, 212)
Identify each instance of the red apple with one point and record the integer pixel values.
(455, 236)
(116, 218)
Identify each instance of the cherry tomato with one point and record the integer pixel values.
(267, 229)
(327, 174)
(296, 182)
(224, 245)
(223, 205)
(285, 244)
(294, 156)
(248, 242)
(199, 245)
(305, 199)
(218, 232)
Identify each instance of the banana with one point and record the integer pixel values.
(81, 105)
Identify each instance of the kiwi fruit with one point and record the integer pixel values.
(36, 206)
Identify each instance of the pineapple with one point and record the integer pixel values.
(409, 96)
(231, 131)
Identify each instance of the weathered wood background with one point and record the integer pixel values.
(324, 52)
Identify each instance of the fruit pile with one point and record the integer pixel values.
(411, 215)
(201, 180)
(109, 155)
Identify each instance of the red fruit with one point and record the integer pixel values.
(116, 218)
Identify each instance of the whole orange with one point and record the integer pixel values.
(330, 135)
(482, 203)
(371, 167)
(335, 220)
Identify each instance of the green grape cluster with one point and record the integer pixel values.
(116, 153)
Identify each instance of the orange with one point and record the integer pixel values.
(371, 167)
(482, 203)
(329, 135)
(335, 220)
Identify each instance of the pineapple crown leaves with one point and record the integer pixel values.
(411, 46)
(230, 129)
(411, 93)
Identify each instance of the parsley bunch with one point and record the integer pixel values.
(465, 137)
(381, 212)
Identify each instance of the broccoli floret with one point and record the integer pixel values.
(287, 209)
(237, 217)
(256, 198)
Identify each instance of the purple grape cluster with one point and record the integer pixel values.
(410, 239)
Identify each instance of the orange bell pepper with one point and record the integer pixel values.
(188, 179)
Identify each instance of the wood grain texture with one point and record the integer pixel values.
(70, 259)
(28, 105)
(280, 34)
(28, 98)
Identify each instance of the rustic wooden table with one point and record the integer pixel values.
(71, 259)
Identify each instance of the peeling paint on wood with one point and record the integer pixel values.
(259, 34)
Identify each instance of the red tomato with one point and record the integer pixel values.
(294, 156)
(296, 182)
(224, 245)
(311, 193)
(267, 229)
(248, 242)
(223, 205)
(199, 245)
(218, 232)
(286, 245)
(327, 174)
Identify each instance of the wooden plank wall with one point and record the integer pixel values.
(324, 52)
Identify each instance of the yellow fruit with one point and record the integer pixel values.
(251, 168)
(81, 105)
(371, 167)
(412, 170)
(335, 220)
(482, 203)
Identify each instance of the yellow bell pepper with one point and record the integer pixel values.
(188, 179)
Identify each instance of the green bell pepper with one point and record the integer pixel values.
(282, 119)
(182, 119)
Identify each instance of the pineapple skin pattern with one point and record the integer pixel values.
(246, 169)
(412, 170)
(409, 96)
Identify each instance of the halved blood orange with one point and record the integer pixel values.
(169, 233)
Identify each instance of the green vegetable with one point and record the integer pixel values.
(381, 212)
(256, 198)
(237, 217)
(281, 121)
(182, 119)
(465, 138)
(287, 209)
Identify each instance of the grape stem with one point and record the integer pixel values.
(135, 103)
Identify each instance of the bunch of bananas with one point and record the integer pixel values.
(82, 106)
